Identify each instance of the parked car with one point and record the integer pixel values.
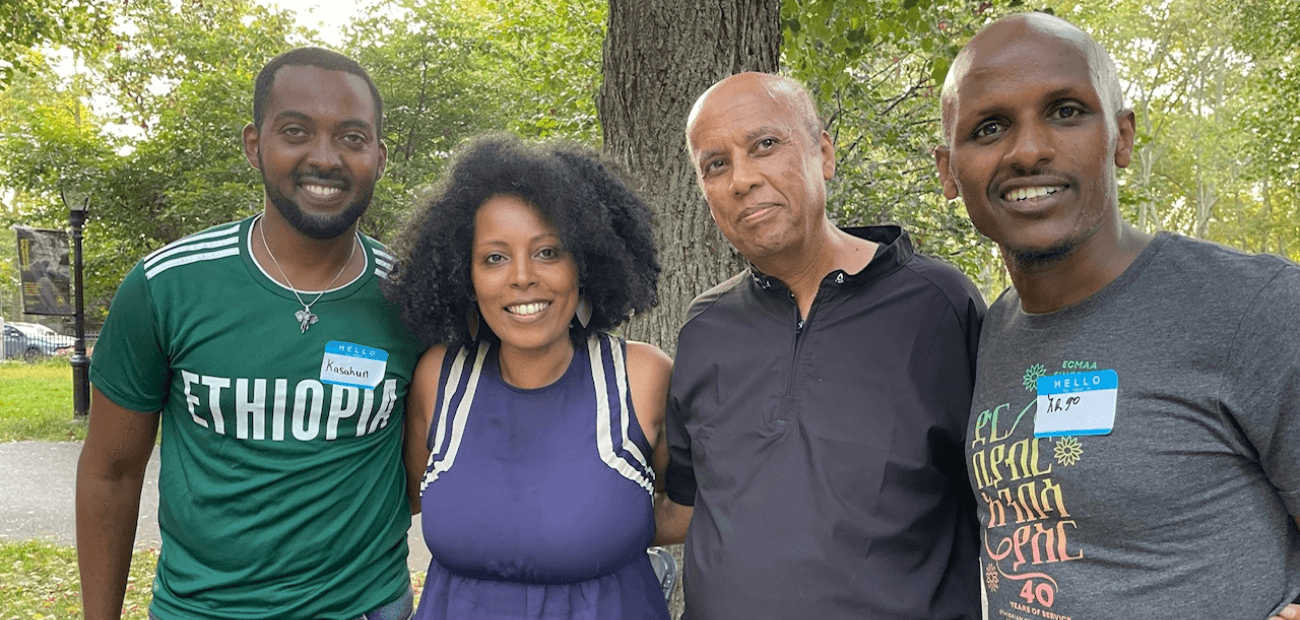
(32, 341)
(42, 330)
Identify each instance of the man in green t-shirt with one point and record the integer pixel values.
(277, 373)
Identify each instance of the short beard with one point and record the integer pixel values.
(320, 227)
(1031, 260)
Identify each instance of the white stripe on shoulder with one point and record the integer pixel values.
(187, 259)
(190, 247)
(625, 394)
(452, 384)
(604, 442)
(383, 258)
(436, 466)
(219, 231)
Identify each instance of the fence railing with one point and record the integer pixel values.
(28, 346)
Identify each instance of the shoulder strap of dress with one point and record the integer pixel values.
(613, 410)
(460, 378)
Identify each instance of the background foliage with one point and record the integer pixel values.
(138, 105)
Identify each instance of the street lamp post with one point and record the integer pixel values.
(80, 362)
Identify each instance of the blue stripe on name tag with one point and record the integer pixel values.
(1078, 382)
(355, 350)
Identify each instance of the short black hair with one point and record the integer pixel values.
(311, 57)
(600, 220)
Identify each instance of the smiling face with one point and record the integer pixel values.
(317, 149)
(525, 282)
(1034, 140)
(762, 173)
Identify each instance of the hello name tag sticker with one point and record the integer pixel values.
(353, 365)
(1081, 403)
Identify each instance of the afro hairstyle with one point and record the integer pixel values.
(601, 222)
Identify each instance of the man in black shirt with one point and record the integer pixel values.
(819, 399)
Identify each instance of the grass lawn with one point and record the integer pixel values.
(36, 403)
(39, 580)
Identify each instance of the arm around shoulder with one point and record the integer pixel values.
(421, 399)
(110, 475)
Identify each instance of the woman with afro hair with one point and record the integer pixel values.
(533, 435)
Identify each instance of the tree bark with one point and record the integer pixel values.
(659, 56)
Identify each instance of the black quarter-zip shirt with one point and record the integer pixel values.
(824, 455)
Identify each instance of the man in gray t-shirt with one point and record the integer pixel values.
(1137, 398)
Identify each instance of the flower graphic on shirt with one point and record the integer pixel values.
(1032, 374)
(991, 576)
(1067, 451)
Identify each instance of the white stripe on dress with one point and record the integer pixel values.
(604, 442)
(626, 396)
(457, 422)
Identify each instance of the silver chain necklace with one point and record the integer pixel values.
(305, 317)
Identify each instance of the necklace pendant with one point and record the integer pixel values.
(305, 319)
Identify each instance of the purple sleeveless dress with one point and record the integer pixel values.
(538, 503)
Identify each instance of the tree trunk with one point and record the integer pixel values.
(659, 56)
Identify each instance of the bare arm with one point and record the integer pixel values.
(659, 461)
(671, 520)
(110, 475)
(649, 372)
(420, 401)
(1290, 612)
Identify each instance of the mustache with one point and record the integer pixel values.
(316, 174)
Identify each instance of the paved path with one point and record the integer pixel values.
(37, 498)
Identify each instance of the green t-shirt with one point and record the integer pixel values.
(281, 487)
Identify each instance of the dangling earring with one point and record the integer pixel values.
(583, 313)
(472, 320)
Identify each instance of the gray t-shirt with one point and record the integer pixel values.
(1181, 502)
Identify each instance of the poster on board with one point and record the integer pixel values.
(43, 269)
